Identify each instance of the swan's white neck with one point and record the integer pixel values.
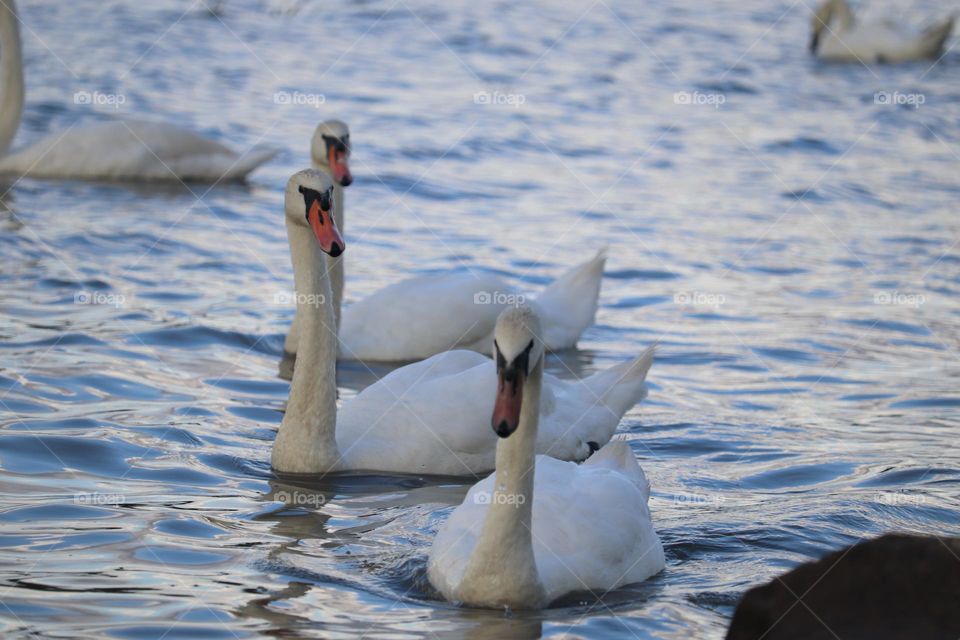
(306, 441)
(502, 570)
(337, 264)
(333, 266)
(11, 75)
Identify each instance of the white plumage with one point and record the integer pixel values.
(838, 37)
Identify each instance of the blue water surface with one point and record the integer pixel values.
(789, 240)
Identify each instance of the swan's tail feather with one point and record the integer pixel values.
(622, 385)
(935, 37)
(569, 304)
(249, 161)
(618, 456)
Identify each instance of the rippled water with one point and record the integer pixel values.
(790, 242)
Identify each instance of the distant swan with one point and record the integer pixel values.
(115, 150)
(430, 417)
(838, 37)
(523, 538)
(425, 315)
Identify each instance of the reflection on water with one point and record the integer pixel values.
(792, 250)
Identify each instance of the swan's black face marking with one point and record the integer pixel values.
(510, 379)
(312, 195)
(814, 42)
(339, 144)
(338, 155)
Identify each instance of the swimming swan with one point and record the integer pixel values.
(427, 417)
(114, 150)
(523, 537)
(838, 37)
(425, 315)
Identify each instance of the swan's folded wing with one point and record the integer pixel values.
(419, 317)
(591, 529)
(431, 417)
(130, 149)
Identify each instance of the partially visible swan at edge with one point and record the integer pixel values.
(427, 417)
(114, 150)
(838, 37)
(421, 316)
(522, 539)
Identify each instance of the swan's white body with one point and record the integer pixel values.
(523, 539)
(426, 315)
(132, 150)
(431, 417)
(434, 416)
(419, 317)
(591, 529)
(113, 150)
(838, 37)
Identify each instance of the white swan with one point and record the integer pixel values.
(429, 417)
(522, 538)
(422, 316)
(114, 150)
(838, 37)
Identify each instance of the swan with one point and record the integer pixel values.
(426, 417)
(838, 37)
(425, 315)
(539, 528)
(114, 150)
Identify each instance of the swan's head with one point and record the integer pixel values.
(517, 350)
(330, 148)
(309, 202)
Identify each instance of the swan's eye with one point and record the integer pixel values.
(336, 144)
(522, 361)
(501, 361)
(325, 201)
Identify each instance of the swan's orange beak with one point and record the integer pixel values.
(506, 408)
(339, 166)
(324, 227)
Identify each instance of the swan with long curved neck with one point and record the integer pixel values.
(425, 315)
(329, 153)
(426, 417)
(836, 36)
(539, 528)
(112, 150)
